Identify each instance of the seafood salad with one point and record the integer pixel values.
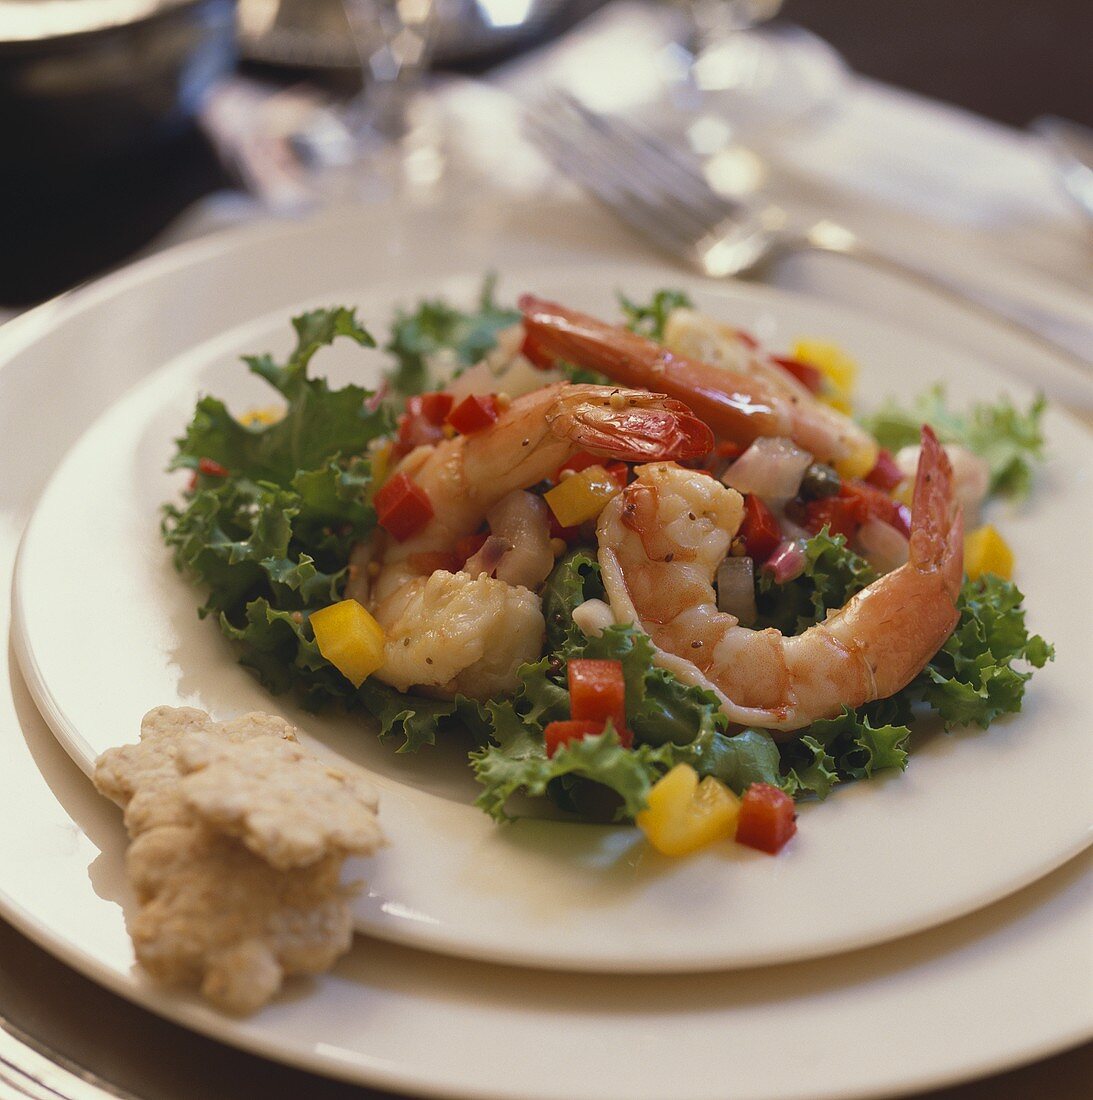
(649, 570)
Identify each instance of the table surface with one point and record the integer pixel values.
(1009, 61)
(159, 1061)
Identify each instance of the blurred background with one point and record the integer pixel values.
(120, 116)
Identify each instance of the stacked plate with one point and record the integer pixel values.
(542, 958)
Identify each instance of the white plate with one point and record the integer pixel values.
(868, 1023)
(975, 817)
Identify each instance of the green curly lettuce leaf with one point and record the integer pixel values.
(574, 579)
(517, 761)
(975, 677)
(318, 423)
(748, 757)
(420, 337)
(832, 574)
(649, 319)
(972, 680)
(581, 376)
(840, 749)
(419, 721)
(269, 539)
(1010, 440)
(672, 722)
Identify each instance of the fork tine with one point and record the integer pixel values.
(654, 159)
(616, 178)
(656, 190)
(642, 213)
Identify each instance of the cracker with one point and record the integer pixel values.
(284, 804)
(239, 837)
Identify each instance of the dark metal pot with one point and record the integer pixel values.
(84, 81)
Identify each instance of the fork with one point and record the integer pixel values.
(660, 191)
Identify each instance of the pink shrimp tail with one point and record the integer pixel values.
(734, 406)
(937, 523)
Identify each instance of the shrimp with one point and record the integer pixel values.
(661, 541)
(452, 631)
(457, 634)
(466, 476)
(739, 405)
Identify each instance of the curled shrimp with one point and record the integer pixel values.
(739, 404)
(449, 630)
(468, 475)
(661, 542)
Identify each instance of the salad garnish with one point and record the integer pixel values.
(560, 693)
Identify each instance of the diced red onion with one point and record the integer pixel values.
(903, 526)
(372, 403)
(771, 468)
(488, 557)
(736, 589)
(884, 547)
(787, 562)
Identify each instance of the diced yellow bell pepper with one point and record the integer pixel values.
(581, 496)
(859, 462)
(684, 814)
(985, 551)
(380, 454)
(350, 639)
(258, 418)
(904, 492)
(839, 370)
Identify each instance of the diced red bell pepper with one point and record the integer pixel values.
(759, 529)
(433, 406)
(727, 449)
(416, 431)
(885, 474)
(578, 462)
(557, 531)
(558, 734)
(597, 692)
(466, 546)
(402, 507)
(210, 468)
(809, 377)
(855, 503)
(474, 412)
(620, 472)
(767, 818)
(872, 503)
(838, 514)
(423, 421)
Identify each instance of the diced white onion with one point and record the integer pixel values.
(771, 468)
(593, 617)
(479, 379)
(503, 370)
(884, 547)
(971, 474)
(523, 520)
(736, 589)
